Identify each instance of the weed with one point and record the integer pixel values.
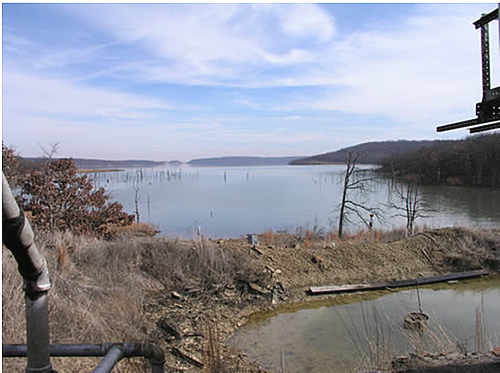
(267, 238)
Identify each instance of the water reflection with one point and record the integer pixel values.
(229, 202)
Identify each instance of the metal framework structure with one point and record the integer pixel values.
(18, 237)
(488, 110)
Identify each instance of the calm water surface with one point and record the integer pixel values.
(233, 201)
(343, 335)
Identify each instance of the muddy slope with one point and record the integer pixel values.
(285, 267)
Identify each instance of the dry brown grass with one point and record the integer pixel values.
(96, 297)
(194, 267)
(98, 289)
(267, 238)
(313, 239)
(137, 230)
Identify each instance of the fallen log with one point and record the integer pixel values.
(349, 288)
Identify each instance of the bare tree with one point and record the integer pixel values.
(410, 203)
(49, 153)
(355, 180)
(136, 200)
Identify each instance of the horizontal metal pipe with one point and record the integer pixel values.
(153, 353)
(110, 360)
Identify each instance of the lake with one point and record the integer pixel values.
(352, 333)
(234, 201)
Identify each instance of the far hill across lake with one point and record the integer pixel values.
(370, 152)
(242, 161)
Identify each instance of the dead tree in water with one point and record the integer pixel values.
(411, 203)
(136, 200)
(354, 182)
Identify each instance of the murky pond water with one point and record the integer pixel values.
(364, 331)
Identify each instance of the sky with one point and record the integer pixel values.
(183, 81)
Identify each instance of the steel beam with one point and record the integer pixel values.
(454, 126)
(486, 18)
(487, 127)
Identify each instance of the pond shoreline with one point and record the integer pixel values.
(287, 273)
(190, 296)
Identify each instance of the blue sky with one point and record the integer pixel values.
(184, 81)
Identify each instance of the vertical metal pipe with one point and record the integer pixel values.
(37, 328)
(485, 57)
(18, 235)
(19, 239)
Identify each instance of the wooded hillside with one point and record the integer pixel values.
(473, 161)
(370, 152)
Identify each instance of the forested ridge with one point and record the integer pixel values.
(473, 161)
(368, 153)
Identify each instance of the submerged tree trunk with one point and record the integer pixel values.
(349, 169)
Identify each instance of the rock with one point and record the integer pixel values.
(256, 289)
(274, 300)
(257, 250)
(187, 357)
(168, 328)
(279, 286)
(176, 295)
(454, 356)
(316, 259)
(270, 269)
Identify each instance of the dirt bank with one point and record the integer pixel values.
(285, 266)
(188, 296)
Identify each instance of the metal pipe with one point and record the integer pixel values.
(110, 360)
(37, 337)
(19, 239)
(153, 353)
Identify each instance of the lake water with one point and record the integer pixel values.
(365, 331)
(234, 201)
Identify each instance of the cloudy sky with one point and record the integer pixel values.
(184, 81)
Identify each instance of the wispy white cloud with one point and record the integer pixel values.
(427, 69)
(283, 74)
(48, 96)
(213, 43)
(60, 58)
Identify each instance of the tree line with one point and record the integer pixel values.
(473, 161)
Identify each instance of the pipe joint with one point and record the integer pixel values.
(41, 284)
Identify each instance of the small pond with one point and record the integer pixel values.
(357, 332)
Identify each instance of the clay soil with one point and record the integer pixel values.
(192, 327)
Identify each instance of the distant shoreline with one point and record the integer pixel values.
(92, 170)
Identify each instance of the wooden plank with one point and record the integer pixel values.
(337, 289)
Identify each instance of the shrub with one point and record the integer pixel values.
(10, 164)
(58, 199)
